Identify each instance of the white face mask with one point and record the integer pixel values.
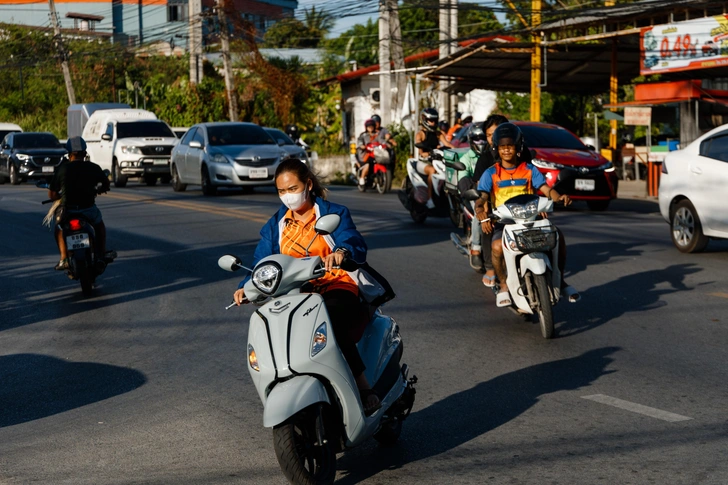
(295, 201)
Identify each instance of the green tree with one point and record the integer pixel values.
(286, 33)
(318, 22)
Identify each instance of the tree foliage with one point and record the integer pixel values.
(291, 32)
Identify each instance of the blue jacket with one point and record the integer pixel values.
(345, 236)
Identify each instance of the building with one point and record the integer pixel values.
(133, 22)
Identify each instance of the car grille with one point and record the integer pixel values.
(263, 162)
(157, 150)
(41, 160)
(584, 170)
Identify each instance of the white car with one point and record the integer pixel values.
(692, 191)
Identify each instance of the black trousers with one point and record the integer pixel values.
(349, 317)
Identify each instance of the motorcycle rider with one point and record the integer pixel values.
(368, 136)
(508, 178)
(291, 230)
(430, 136)
(74, 184)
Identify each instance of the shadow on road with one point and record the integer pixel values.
(580, 256)
(464, 416)
(631, 293)
(36, 386)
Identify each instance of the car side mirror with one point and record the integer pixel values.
(471, 194)
(195, 144)
(106, 137)
(591, 147)
(281, 143)
(327, 224)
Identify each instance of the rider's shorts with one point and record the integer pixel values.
(498, 231)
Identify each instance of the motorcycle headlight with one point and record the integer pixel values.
(319, 339)
(22, 157)
(131, 150)
(537, 162)
(524, 211)
(607, 167)
(267, 277)
(253, 359)
(219, 158)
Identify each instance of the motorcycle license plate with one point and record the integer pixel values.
(47, 169)
(78, 241)
(258, 173)
(584, 184)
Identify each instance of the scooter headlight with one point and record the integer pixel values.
(267, 277)
(524, 211)
(253, 359)
(319, 339)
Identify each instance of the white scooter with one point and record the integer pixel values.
(531, 253)
(310, 397)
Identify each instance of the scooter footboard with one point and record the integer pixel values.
(290, 397)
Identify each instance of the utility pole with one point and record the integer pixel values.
(194, 13)
(453, 48)
(385, 75)
(226, 62)
(444, 41)
(62, 53)
(397, 53)
(536, 61)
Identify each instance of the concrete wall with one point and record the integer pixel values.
(326, 168)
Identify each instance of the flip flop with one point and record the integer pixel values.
(364, 394)
(571, 294)
(489, 281)
(503, 299)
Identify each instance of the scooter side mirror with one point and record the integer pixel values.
(42, 184)
(471, 194)
(327, 224)
(230, 263)
(459, 166)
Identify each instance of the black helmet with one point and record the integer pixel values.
(429, 115)
(476, 138)
(443, 125)
(507, 131)
(377, 119)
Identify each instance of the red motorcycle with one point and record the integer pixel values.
(378, 157)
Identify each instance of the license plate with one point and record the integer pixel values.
(78, 241)
(161, 162)
(258, 173)
(584, 184)
(47, 169)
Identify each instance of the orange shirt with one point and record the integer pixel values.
(294, 239)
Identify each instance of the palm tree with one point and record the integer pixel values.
(318, 22)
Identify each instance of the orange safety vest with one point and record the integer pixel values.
(510, 183)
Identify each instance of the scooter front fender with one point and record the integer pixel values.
(292, 396)
(536, 263)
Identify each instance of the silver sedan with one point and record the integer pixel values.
(229, 154)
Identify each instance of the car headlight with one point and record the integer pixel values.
(607, 167)
(523, 211)
(545, 164)
(219, 158)
(267, 277)
(131, 150)
(253, 359)
(319, 339)
(22, 157)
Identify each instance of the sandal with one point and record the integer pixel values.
(503, 299)
(489, 281)
(571, 294)
(62, 265)
(365, 395)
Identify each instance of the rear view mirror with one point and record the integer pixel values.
(327, 224)
(471, 194)
(106, 137)
(459, 166)
(281, 143)
(591, 147)
(195, 144)
(230, 262)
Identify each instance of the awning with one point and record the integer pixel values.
(673, 92)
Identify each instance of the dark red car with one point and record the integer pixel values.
(570, 167)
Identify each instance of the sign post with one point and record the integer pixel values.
(640, 117)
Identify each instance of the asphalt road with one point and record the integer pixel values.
(146, 382)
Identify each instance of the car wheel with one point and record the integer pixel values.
(119, 179)
(598, 205)
(177, 185)
(207, 187)
(686, 230)
(14, 176)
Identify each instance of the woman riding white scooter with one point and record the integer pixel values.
(291, 230)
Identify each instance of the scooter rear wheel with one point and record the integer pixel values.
(545, 309)
(301, 459)
(85, 277)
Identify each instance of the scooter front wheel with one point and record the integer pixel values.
(545, 310)
(302, 460)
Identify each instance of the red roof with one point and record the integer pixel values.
(433, 54)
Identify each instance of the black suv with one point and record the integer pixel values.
(29, 155)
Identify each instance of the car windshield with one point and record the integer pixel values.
(40, 140)
(279, 136)
(4, 133)
(143, 129)
(238, 134)
(550, 137)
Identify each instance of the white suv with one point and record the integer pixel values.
(692, 191)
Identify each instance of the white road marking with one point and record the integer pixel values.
(637, 408)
